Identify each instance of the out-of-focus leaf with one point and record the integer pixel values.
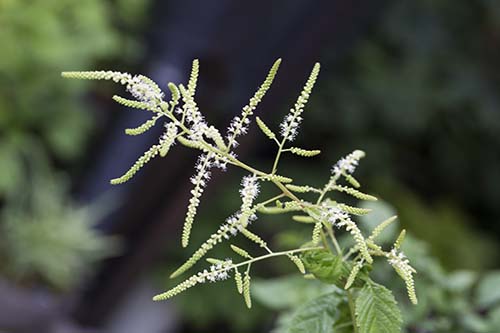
(319, 315)
(461, 281)
(471, 322)
(10, 168)
(287, 292)
(488, 291)
(48, 238)
(494, 319)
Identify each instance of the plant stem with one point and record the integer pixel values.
(323, 239)
(329, 229)
(278, 155)
(270, 255)
(263, 203)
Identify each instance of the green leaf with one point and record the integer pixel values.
(288, 292)
(11, 168)
(494, 318)
(488, 292)
(326, 267)
(319, 315)
(377, 310)
(461, 281)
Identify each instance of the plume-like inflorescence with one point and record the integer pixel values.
(145, 158)
(217, 272)
(249, 191)
(118, 77)
(379, 228)
(140, 87)
(168, 138)
(355, 193)
(354, 272)
(143, 127)
(186, 124)
(233, 224)
(199, 180)
(347, 165)
(341, 219)
(145, 90)
(192, 116)
(239, 124)
(239, 281)
(290, 124)
(401, 265)
(246, 290)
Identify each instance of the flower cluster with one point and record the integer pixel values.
(290, 125)
(234, 224)
(239, 124)
(218, 272)
(348, 164)
(335, 215)
(205, 162)
(199, 180)
(188, 125)
(249, 190)
(145, 90)
(118, 77)
(237, 127)
(398, 260)
(198, 125)
(167, 139)
(341, 219)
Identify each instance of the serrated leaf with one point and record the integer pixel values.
(377, 310)
(319, 315)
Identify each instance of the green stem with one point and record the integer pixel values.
(270, 255)
(263, 203)
(286, 191)
(278, 155)
(329, 229)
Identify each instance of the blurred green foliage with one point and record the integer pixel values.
(45, 237)
(447, 228)
(40, 39)
(460, 301)
(420, 94)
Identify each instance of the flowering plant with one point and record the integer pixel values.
(371, 307)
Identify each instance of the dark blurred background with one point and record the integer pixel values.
(416, 84)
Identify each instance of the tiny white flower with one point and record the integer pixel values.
(347, 164)
(250, 188)
(143, 90)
